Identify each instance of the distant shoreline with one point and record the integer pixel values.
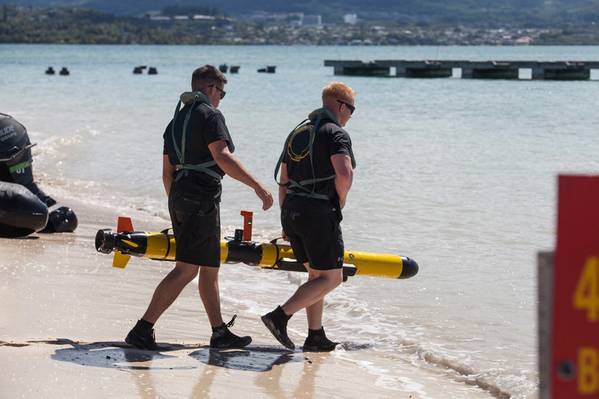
(81, 26)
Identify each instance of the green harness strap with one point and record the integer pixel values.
(203, 167)
(301, 185)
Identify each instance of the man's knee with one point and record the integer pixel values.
(185, 271)
(332, 277)
(207, 272)
(336, 278)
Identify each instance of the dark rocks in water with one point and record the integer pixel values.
(64, 71)
(50, 71)
(235, 68)
(152, 71)
(223, 68)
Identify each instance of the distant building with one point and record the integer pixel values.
(350, 19)
(295, 19)
(312, 20)
(524, 40)
(160, 18)
(199, 17)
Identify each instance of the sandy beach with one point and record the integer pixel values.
(65, 311)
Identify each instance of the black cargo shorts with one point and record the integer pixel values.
(196, 225)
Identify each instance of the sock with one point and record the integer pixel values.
(146, 325)
(312, 333)
(279, 312)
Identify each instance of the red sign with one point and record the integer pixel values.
(575, 337)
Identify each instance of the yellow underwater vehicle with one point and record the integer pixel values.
(127, 242)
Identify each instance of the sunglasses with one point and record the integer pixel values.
(349, 106)
(222, 92)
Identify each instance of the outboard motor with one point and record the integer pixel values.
(16, 159)
(16, 167)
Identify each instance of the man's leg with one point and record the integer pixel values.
(208, 286)
(314, 311)
(308, 294)
(169, 289)
(221, 337)
(142, 334)
(313, 290)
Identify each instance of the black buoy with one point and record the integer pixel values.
(50, 71)
(268, 69)
(61, 220)
(152, 71)
(235, 68)
(223, 68)
(64, 71)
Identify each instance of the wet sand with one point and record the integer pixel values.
(64, 312)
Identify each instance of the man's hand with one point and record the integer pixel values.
(232, 167)
(265, 196)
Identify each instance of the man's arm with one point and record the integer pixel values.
(233, 167)
(282, 186)
(168, 170)
(344, 176)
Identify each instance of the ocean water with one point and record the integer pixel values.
(457, 174)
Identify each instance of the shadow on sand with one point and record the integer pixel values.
(115, 354)
(254, 358)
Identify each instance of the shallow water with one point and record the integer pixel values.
(458, 174)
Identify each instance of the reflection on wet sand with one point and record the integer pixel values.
(265, 362)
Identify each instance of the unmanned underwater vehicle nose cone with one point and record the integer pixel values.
(410, 268)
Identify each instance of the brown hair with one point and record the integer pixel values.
(338, 91)
(206, 74)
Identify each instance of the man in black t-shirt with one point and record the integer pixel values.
(197, 154)
(316, 175)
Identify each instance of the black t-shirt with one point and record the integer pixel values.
(330, 139)
(206, 125)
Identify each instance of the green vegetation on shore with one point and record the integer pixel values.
(82, 26)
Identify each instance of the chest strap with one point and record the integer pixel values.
(301, 185)
(203, 167)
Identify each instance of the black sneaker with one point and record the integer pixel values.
(317, 341)
(276, 322)
(223, 338)
(142, 337)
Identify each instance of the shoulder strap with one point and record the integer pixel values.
(283, 152)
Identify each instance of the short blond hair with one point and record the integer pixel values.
(338, 91)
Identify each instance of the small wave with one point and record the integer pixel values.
(457, 370)
(54, 146)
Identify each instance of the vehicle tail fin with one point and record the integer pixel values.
(120, 260)
(124, 225)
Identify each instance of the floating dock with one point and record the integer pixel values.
(541, 70)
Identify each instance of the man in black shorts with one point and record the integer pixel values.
(316, 175)
(197, 154)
